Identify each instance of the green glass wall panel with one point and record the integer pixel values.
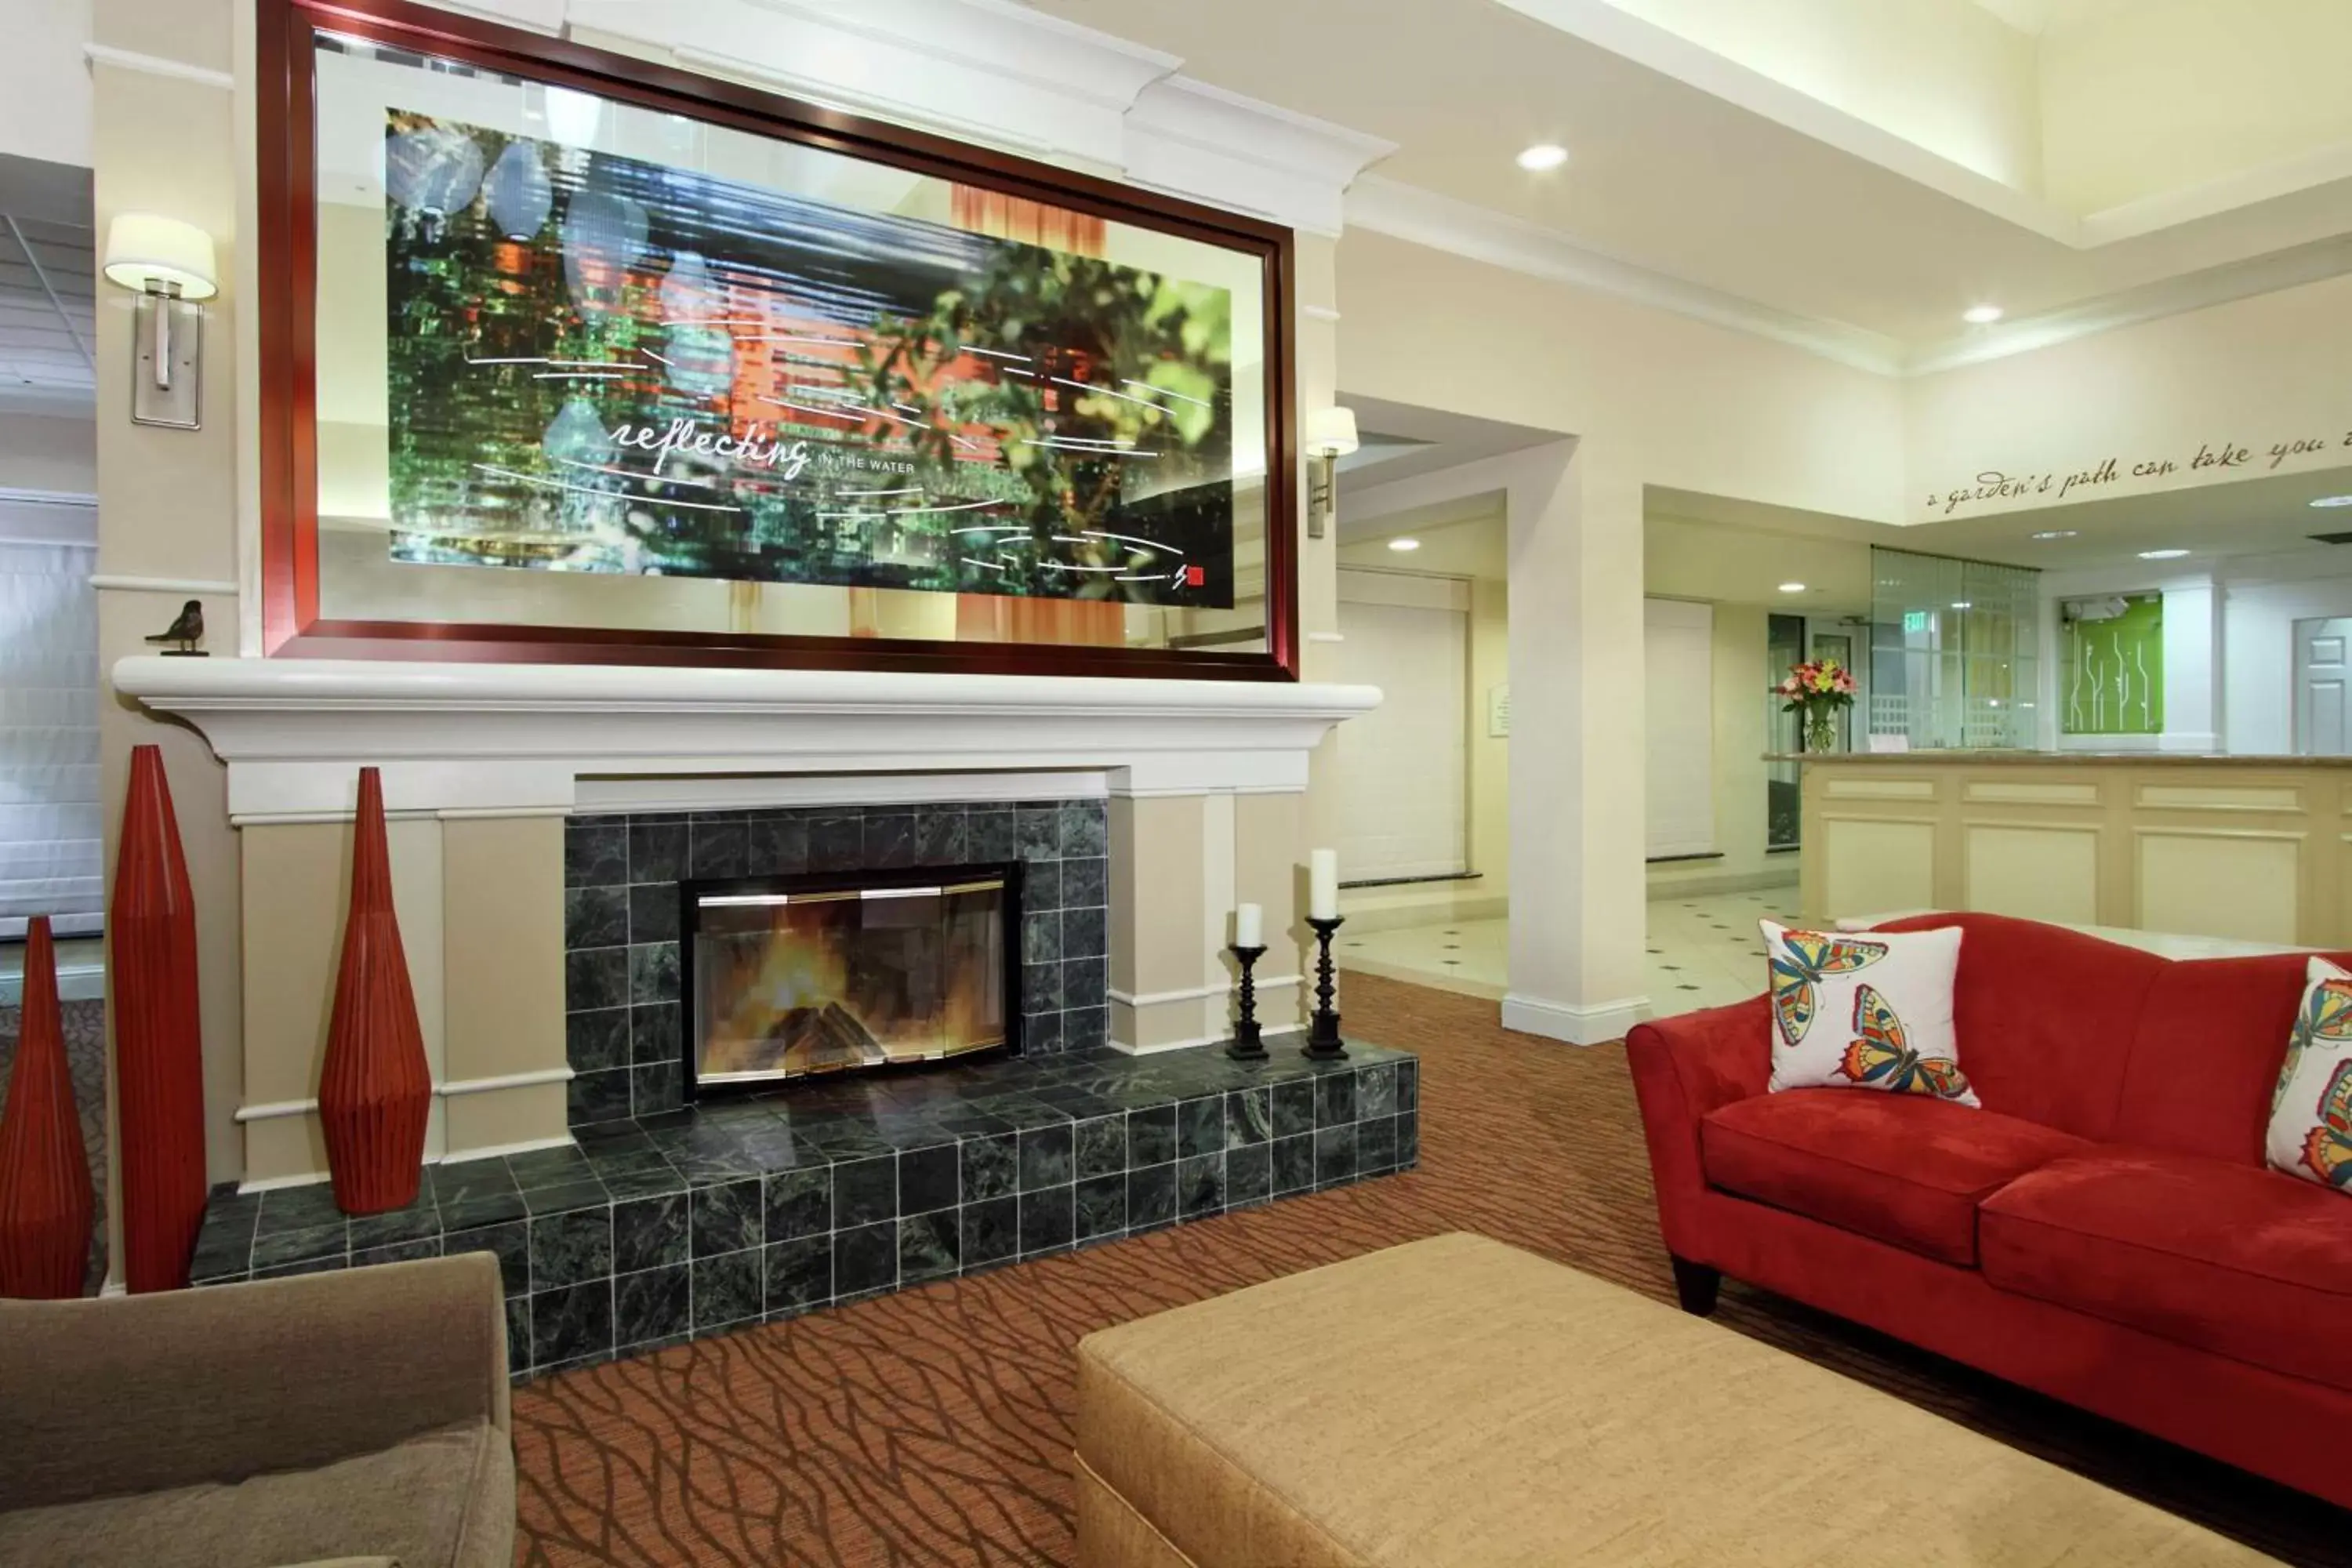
(2111, 665)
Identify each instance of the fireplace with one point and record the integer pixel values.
(791, 977)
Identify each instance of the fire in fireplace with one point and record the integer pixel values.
(787, 977)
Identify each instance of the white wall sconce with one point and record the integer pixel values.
(170, 265)
(1330, 436)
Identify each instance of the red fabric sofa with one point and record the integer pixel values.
(2103, 1230)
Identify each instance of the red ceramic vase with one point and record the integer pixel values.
(45, 1201)
(159, 1067)
(375, 1090)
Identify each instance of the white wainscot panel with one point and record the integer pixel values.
(2221, 883)
(1878, 865)
(2035, 872)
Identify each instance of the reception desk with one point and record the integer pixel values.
(2256, 848)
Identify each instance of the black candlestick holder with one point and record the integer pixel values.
(1247, 1047)
(1323, 1042)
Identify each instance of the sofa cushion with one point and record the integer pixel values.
(2204, 1067)
(2045, 1016)
(442, 1498)
(1906, 1168)
(2213, 1254)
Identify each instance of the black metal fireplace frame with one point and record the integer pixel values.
(689, 926)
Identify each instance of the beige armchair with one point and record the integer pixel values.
(360, 1414)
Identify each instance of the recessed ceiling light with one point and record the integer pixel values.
(1963, 603)
(1792, 587)
(1404, 544)
(2162, 555)
(1981, 315)
(1543, 155)
(2333, 501)
(2053, 533)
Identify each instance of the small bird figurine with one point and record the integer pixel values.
(187, 631)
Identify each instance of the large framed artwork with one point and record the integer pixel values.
(569, 355)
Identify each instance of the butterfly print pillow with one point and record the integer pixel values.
(2311, 1111)
(1867, 1010)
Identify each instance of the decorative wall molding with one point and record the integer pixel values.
(496, 737)
(604, 796)
(1201, 993)
(1002, 75)
(1192, 139)
(132, 585)
(1440, 223)
(978, 69)
(156, 65)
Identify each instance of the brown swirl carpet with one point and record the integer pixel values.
(933, 1426)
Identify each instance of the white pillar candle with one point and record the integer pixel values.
(1323, 884)
(1249, 926)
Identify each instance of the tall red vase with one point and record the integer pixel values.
(159, 1061)
(46, 1200)
(376, 1088)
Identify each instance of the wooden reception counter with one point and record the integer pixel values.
(2258, 848)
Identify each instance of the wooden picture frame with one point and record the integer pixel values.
(292, 623)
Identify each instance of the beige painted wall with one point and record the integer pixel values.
(1679, 402)
(2251, 372)
(167, 499)
(2163, 95)
(1946, 75)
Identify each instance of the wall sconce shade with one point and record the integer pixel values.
(1332, 431)
(170, 265)
(154, 254)
(1330, 436)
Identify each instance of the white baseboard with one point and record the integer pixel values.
(312, 1178)
(1267, 1038)
(1577, 1025)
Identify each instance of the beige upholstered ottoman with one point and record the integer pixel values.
(1458, 1402)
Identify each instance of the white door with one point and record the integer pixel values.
(2322, 687)
(1678, 685)
(1402, 772)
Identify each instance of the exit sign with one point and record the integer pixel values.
(1914, 623)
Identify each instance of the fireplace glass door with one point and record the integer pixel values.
(805, 976)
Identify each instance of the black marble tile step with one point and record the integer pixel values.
(645, 1232)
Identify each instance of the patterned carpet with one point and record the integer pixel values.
(933, 1426)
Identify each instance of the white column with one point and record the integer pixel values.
(2192, 668)
(1578, 889)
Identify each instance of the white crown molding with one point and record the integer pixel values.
(978, 69)
(2280, 270)
(489, 738)
(2225, 193)
(1424, 217)
(537, 15)
(1192, 139)
(1441, 223)
(1607, 26)
(156, 65)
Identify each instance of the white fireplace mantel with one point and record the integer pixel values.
(517, 738)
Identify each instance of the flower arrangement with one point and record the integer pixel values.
(1819, 690)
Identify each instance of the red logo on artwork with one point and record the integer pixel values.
(1195, 577)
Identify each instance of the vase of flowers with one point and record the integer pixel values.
(1820, 691)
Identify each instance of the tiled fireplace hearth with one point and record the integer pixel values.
(691, 1222)
(546, 823)
(622, 985)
